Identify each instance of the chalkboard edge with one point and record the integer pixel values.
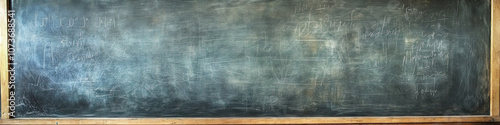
(265, 120)
(3, 60)
(494, 60)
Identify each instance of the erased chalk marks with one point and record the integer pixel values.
(205, 58)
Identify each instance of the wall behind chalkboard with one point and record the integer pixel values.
(213, 58)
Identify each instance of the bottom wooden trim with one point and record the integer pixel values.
(268, 120)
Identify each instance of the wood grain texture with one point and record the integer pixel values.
(495, 60)
(291, 120)
(3, 60)
(496, 119)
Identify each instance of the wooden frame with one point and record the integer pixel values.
(3, 64)
(495, 59)
(493, 117)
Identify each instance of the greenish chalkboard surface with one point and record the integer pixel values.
(251, 58)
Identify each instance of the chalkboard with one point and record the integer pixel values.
(251, 58)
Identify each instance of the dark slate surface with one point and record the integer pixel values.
(251, 58)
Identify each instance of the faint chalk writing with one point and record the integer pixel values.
(62, 21)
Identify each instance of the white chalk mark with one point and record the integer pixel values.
(404, 60)
(383, 24)
(352, 12)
